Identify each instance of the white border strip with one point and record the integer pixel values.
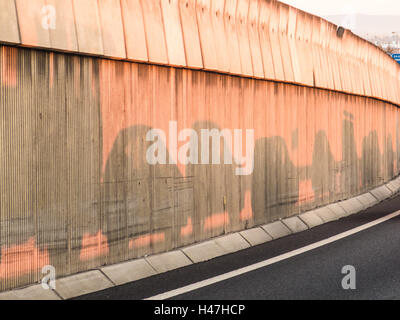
(270, 261)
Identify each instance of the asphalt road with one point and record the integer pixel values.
(316, 274)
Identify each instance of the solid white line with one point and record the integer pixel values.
(268, 262)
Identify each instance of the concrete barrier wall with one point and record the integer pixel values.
(76, 188)
(262, 39)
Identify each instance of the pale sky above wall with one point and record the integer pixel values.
(334, 7)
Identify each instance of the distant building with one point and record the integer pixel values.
(389, 43)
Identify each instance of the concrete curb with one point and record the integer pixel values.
(381, 193)
(311, 219)
(129, 271)
(326, 214)
(168, 261)
(295, 224)
(35, 292)
(368, 200)
(82, 283)
(204, 251)
(352, 206)
(256, 236)
(117, 274)
(277, 230)
(337, 210)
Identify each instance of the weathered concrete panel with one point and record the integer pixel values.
(327, 64)
(275, 41)
(319, 70)
(294, 45)
(155, 36)
(173, 33)
(88, 27)
(190, 34)
(310, 48)
(207, 39)
(334, 47)
(242, 15)
(112, 29)
(303, 49)
(33, 27)
(135, 35)
(9, 31)
(254, 38)
(220, 36)
(284, 41)
(233, 51)
(265, 41)
(63, 36)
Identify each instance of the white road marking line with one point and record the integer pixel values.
(262, 264)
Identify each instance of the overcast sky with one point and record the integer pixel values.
(333, 7)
